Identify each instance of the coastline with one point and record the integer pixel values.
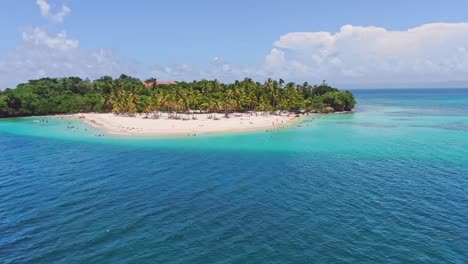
(142, 125)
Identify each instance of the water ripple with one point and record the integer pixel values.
(343, 190)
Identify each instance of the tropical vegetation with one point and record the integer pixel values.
(129, 95)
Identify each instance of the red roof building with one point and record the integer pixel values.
(149, 84)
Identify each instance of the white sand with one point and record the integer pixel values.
(163, 126)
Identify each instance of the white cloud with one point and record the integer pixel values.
(428, 53)
(217, 69)
(44, 7)
(38, 37)
(58, 17)
(275, 58)
(62, 14)
(55, 55)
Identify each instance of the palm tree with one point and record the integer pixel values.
(238, 99)
(281, 83)
(227, 103)
(214, 107)
(252, 101)
(169, 102)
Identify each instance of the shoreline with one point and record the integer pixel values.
(142, 125)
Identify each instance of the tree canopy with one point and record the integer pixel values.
(129, 95)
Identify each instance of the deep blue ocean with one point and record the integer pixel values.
(385, 184)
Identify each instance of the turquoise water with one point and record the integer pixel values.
(386, 184)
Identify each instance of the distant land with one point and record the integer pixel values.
(127, 95)
(130, 106)
(407, 85)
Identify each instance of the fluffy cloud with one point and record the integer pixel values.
(429, 53)
(218, 68)
(44, 7)
(39, 37)
(58, 17)
(55, 55)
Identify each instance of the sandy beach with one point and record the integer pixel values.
(144, 125)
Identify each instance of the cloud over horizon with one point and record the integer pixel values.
(44, 8)
(434, 52)
(41, 54)
(358, 56)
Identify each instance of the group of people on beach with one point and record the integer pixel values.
(299, 124)
(71, 127)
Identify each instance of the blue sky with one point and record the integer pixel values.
(229, 39)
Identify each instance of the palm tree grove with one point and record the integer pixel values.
(127, 95)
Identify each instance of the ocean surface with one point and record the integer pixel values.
(385, 184)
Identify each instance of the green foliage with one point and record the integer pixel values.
(128, 95)
(323, 89)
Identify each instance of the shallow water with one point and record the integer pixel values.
(386, 184)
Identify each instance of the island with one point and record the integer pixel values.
(130, 106)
